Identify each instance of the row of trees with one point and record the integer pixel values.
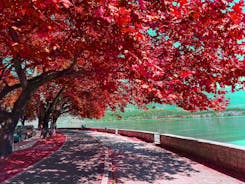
(81, 57)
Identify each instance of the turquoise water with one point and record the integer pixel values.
(222, 129)
(239, 142)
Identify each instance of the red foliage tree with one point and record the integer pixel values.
(192, 51)
(197, 53)
(87, 100)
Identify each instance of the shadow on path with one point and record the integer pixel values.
(80, 160)
(141, 162)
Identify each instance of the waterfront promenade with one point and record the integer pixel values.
(93, 157)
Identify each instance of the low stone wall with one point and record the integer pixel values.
(112, 131)
(145, 136)
(225, 156)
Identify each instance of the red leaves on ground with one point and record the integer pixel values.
(20, 160)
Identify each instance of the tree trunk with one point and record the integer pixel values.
(23, 121)
(45, 123)
(45, 128)
(40, 124)
(54, 124)
(6, 135)
(41, 111)
(6, 141)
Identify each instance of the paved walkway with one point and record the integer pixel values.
(137, 162)
(81, 160)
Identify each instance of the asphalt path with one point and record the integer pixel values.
(91, 157)
(79, 160)
(136, 162)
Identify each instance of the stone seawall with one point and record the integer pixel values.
(228, 157)
(145, 136)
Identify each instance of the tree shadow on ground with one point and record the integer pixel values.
(80, 160)
(141, 162)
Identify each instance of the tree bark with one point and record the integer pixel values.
(24, 118)
(7, 127)
(41, 112)
(45, 120)
(54, 121)
(40, 124)
(45, 129)
(6, 141)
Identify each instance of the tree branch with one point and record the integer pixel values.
(8, 89)
(43, 78)
(20, 72)
(55, 100)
